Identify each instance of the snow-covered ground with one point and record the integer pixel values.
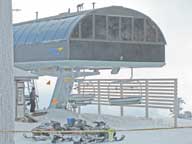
(174, 136)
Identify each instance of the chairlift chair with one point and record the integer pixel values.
(82, 99)
(128, 100)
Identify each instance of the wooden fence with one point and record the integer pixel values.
(154, 93)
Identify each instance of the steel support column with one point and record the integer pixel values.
(62, 90)
(7, 94)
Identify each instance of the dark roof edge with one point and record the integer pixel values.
(59, 16)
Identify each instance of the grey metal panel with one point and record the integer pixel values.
(36, 65)
(20, 74)
(106, 51)
(41, 52)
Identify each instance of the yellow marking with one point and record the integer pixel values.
(67, 69)
(111, 134)
(60, 49)
(92, 131)
(68, 79)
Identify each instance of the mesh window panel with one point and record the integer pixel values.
(87, 27)
(139, 29)
(100, 27)
(150, 31)
(113, 28)
(160, 36)
(126, 28)
(75, 33)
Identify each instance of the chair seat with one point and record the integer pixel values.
(81, 99)
(125, 101)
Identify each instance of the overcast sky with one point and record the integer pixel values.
(173, 16)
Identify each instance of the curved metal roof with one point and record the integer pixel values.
(44, 31)
(60, 27)
(37, 43)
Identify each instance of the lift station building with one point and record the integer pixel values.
(104, 38)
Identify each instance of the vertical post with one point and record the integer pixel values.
(132, 27)
(80, 34)
(79, 91)
(99, 100)
(16, 109)
(77, 8)
(175, 103)
(93, 5)
(131, 73)
(121, 91)
(93, 22)
(7, 93)
(74, 110)
(36, 15)
(145, 29)
(107, 27)
(79, 110)
(120, 24)
(157, 35)
(146, 99)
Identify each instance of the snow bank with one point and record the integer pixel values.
(127, 122)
